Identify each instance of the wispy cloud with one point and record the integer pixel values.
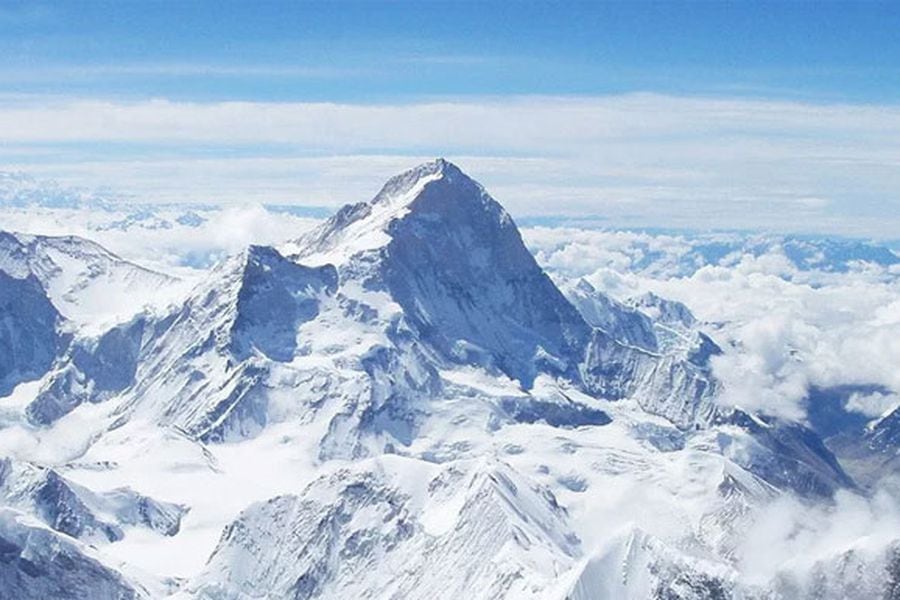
(527, 123)
(70, 72)
(637, 159)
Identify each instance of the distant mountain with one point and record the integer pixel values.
(85, 282)
(868, 445)
(22, 190)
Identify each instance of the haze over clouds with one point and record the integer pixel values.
(159, 240)
(636, 159)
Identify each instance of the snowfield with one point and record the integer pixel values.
(410, 400)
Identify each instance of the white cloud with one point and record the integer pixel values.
(873, 405)
(636, 159)
(527, 123)
(789, 537)
(171, 247)
(792, 335)
(783, 329)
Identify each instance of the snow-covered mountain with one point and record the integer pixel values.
(56, 293)
(399, 403)
(29, 331)
(481, 533)
(454, 262)
(22, 190)
(85, 282)
(78, 512)
(869, 446)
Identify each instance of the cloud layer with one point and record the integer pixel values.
(635, 159)
(165, 239)
(785, 329)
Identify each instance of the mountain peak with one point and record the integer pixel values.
(435, 187)
(403, 184)
(453, 259)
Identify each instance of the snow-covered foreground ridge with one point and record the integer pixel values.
(400, 403)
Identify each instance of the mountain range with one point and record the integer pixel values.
(398, 403)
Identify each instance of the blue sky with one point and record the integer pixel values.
(370, 51)
(314, 103)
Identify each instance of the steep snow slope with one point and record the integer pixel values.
(85, 282)
(29, 331)
(58, 296)
(444, 534)
(453, 260)
(662, 361)
(39, 564)
(198, 366)
(78, 512)
(637, 565)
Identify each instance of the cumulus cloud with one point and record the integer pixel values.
(873, 405)
(791, 537)
(784, 328)
(765, 372)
